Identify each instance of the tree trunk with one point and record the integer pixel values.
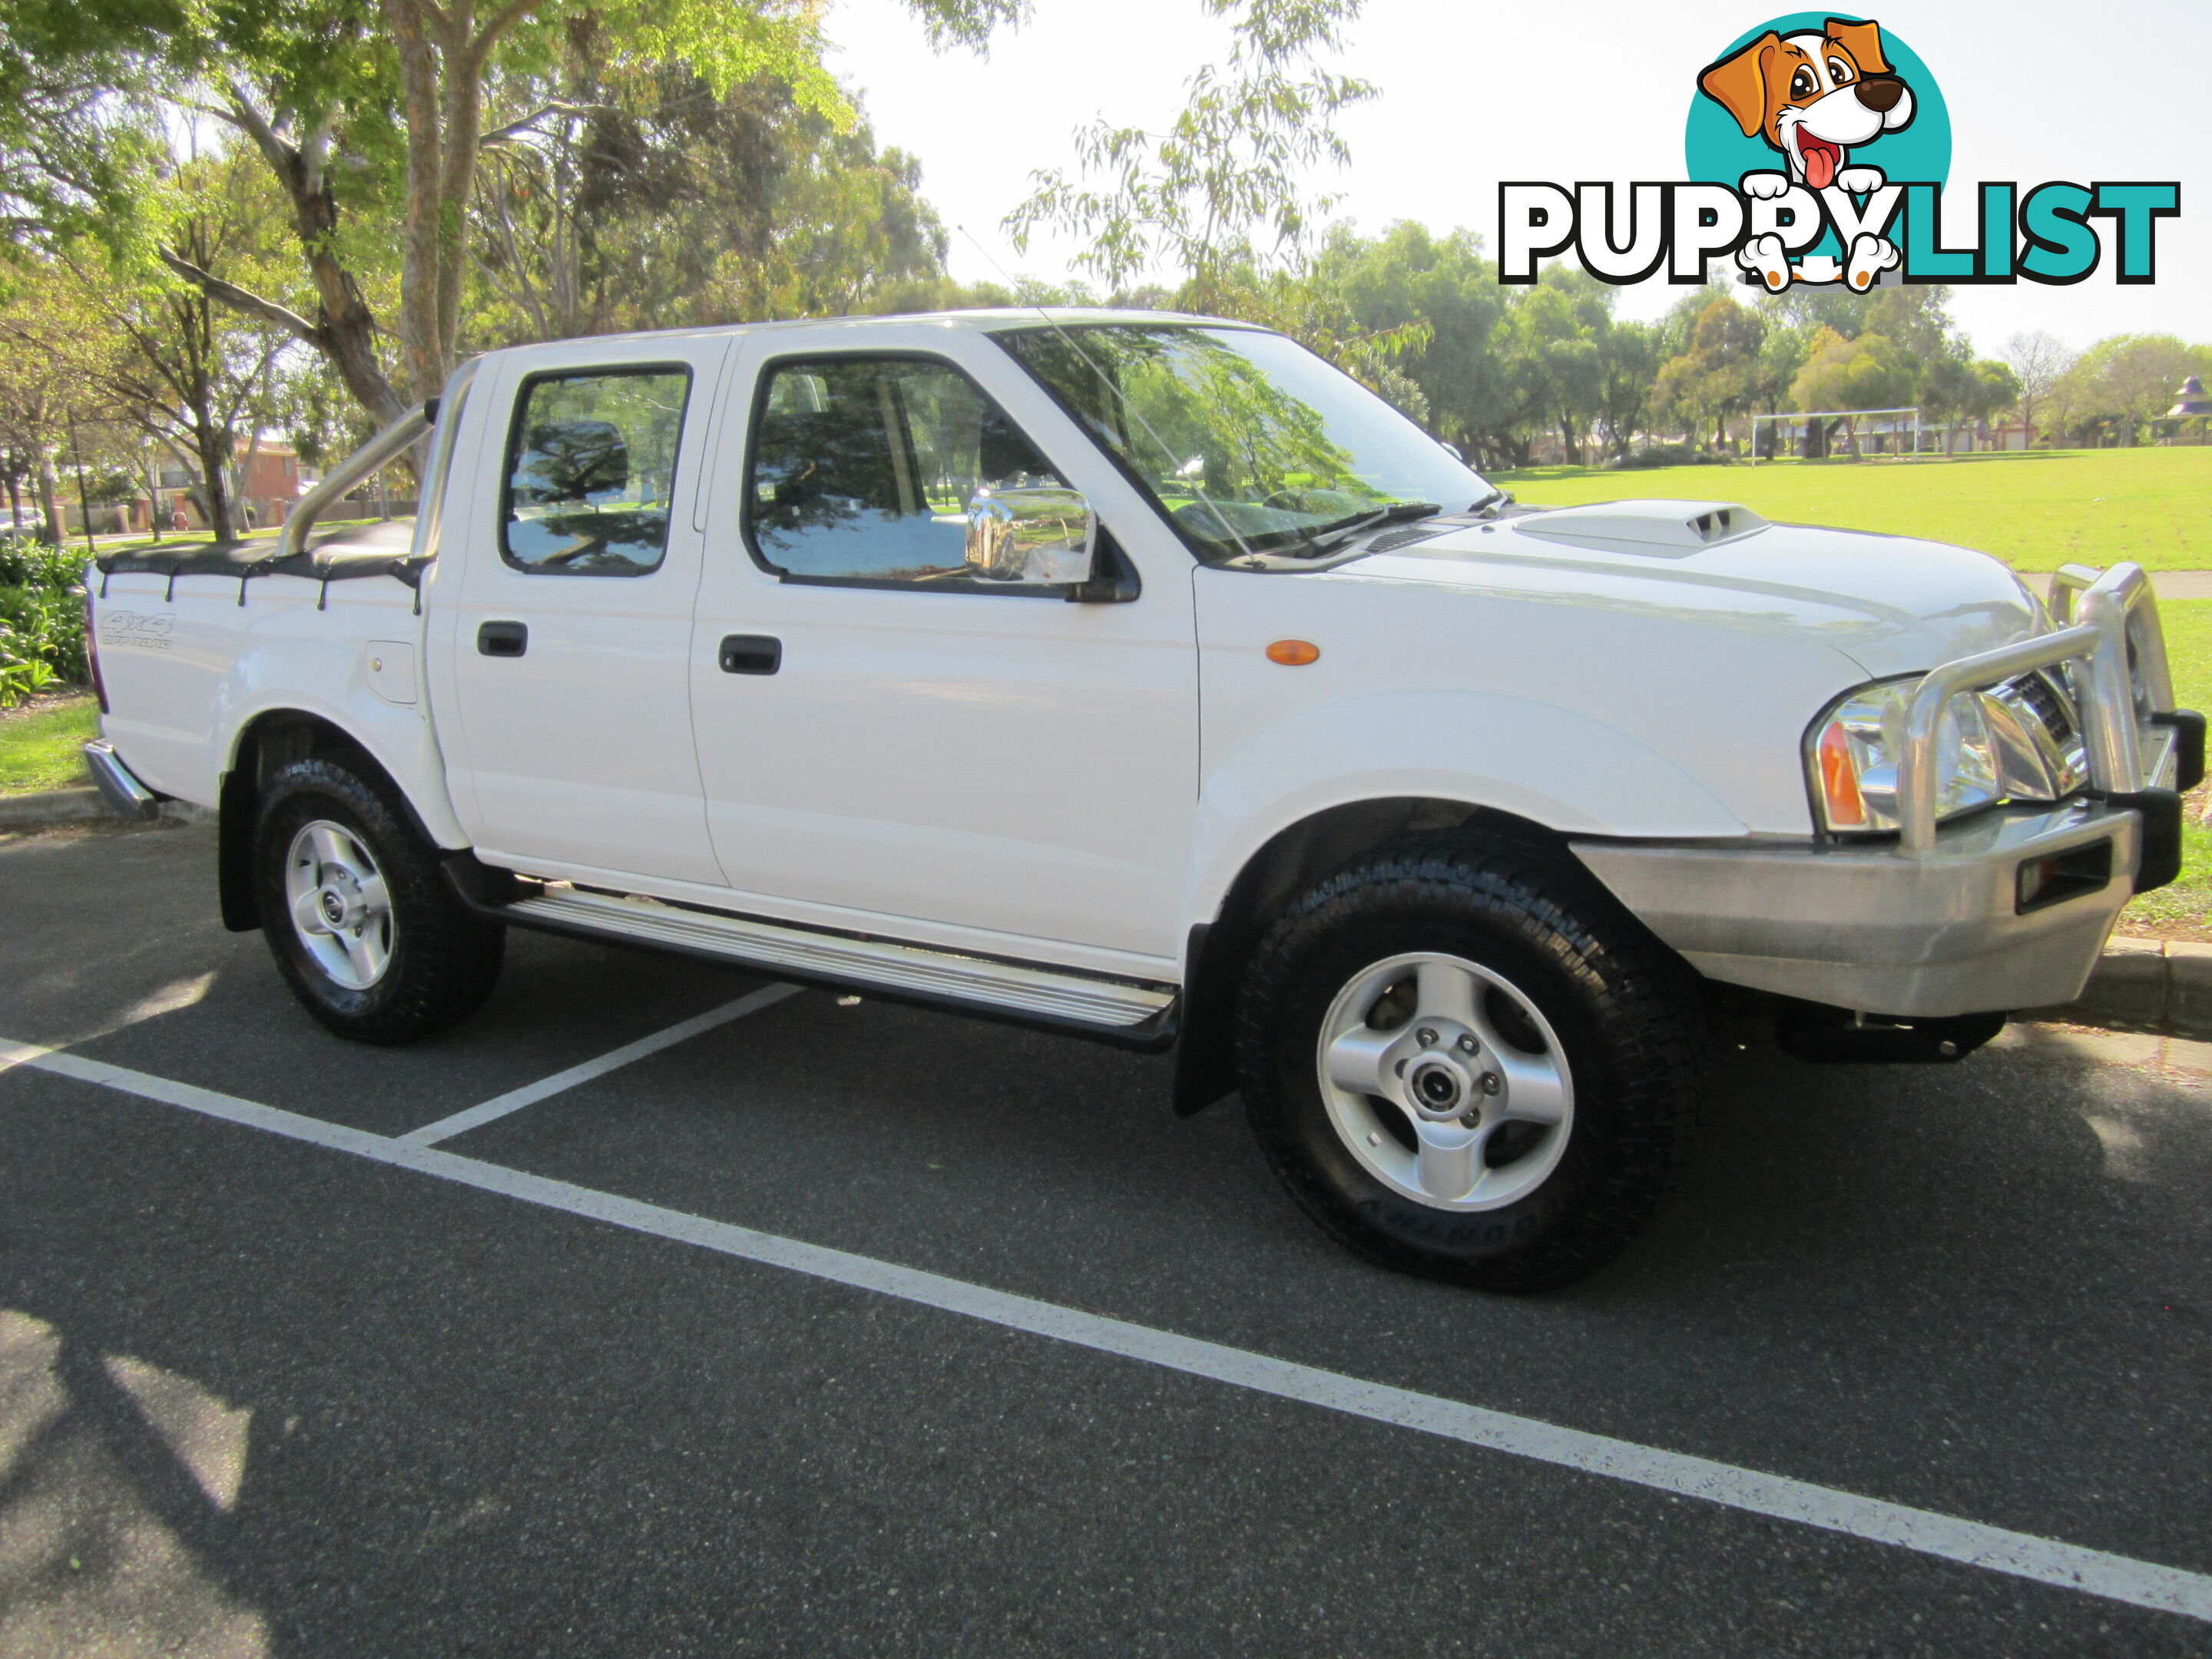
(215, 479)
(46, 503)
(420, 238)
(344, 328)
(1852, 437)
(242, 475)
(462, 109)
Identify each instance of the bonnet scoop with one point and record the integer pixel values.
(1660, 529)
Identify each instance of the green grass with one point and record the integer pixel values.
(40, 747)
(2035, 510)
(2184, 908)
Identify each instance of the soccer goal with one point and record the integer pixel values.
(1798, 423)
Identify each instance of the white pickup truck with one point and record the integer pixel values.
(1141, 677)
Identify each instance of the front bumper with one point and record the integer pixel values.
(1861, 926)
(1945, 920)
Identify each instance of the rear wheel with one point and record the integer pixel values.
(363, 926)
(1465, 1062)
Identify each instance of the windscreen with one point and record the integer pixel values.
(1248, 441)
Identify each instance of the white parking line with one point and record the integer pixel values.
(1996, 1549)
(530, 1093)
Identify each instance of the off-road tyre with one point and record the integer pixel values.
(444, 959)
(1628, 1014)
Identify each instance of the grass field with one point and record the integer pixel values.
(2035, 510)
(40, 743)
(2185, 910)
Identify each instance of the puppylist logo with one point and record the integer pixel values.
(1818, 149)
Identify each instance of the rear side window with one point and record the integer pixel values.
(862, 468)
(590, 468)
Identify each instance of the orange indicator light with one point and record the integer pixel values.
(1840, 780)
(1294, 653)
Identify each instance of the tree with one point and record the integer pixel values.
(371, 119)
(1439, 296)
(1717, 373)
(1957, 393)
(1866, 373)
(2000, 390)
(76, 127)
(1948, 390)
(2121, 382)
(1631, 368)
(655, 202)
(2037, 361)
(1236, 159)
(161, 353)
(47, 333)
(1913, 317)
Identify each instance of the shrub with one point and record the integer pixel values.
(25, 562)
(41, 618)
(1660, 455)
(23, 669)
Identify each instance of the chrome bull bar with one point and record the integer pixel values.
(2093, 632)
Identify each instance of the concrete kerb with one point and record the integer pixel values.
(52, 807)
(47, 809)
(2144, 985)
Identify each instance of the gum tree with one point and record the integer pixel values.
(372, 121)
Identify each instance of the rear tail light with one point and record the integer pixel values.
(92, 652)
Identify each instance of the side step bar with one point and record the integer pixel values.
(1048, 995)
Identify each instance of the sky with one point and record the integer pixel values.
(1469, 94)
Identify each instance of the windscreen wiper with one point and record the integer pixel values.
(1337, 536)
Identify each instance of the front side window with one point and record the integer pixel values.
(1248, 441)
(862, 468)
(590, 468)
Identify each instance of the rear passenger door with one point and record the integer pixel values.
(573, 624)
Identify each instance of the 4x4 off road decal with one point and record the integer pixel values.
(1817, 149)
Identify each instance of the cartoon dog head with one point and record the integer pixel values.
(1812, 96)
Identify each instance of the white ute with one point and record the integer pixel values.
(1142, 677)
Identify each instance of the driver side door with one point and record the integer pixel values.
(982, 766)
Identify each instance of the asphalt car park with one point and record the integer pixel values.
(744, 1322)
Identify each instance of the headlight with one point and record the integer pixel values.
(2018, 741)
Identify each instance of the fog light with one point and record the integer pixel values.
(2062, 876)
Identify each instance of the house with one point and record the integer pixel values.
(272, 479)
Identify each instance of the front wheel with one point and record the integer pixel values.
(1465, 1062)
(358, 914)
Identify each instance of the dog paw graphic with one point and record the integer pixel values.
(1764, 187)
(1859, 181)
(1870, 255)
(1766, 256)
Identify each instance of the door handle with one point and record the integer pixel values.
(752, 654)
(503, 639)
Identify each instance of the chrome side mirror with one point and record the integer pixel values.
(1042, 536)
